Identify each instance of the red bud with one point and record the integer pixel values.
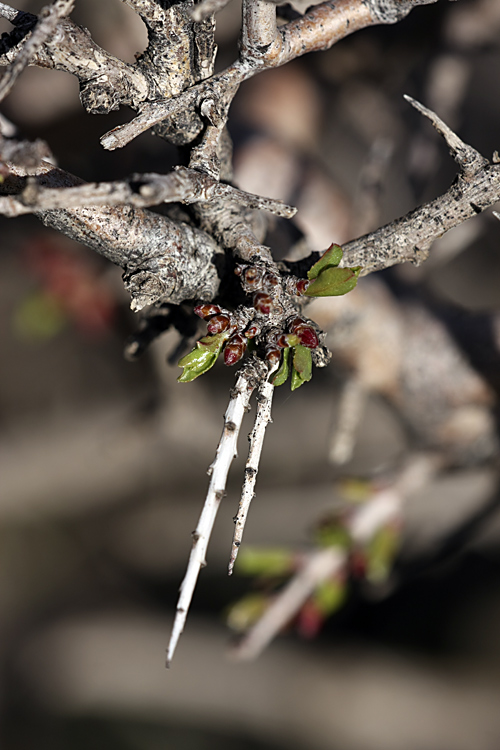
(273, 356)
(307, 336)
(234, 350)
(263, 303)
(218, 324)
(252, 332)
(207, 310)
(301, 286)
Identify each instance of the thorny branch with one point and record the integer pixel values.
(249, 377)
(256, 437)
(168, 261)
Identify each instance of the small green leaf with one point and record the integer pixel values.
(216, 342)
(333, 534)
(196, 363)
(302, 366)
(284, 370)
(202, 357)
(269, 562)
(330, 596)
(381, 552)
(332, 282)
(330, 257)
(244, 613)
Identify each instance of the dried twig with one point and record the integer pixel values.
(264, 46)
(48, 20)
(256, 437)
(248, 378)
(410, 238)
(140, 190)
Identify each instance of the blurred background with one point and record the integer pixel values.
(103, 461)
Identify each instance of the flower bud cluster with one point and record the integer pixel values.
(265, 319)
(219, 321)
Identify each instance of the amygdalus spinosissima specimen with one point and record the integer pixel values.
(208, 259)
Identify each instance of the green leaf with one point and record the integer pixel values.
(196, 363)
(333, 534)
(302, 366)
(381, 552)
(332, 282)
(202, 357)
(253, 561)
(40, 316)
(330, 257)
(284, 370)
(329, 596)
(244, 613)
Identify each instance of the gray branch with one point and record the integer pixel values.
(49, 18)
(163, 260)
(410, 237)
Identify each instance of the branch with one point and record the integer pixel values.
(206, 8)
(163, 260)
(469, 160)
(320, 28)
(105, 81)
(256, 437)
(140, 190)
(249, 376)
(351, 408)
(410, 237)
(49, 18)
(319, 567)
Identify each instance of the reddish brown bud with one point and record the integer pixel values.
(271, 280)
(263, 303)
(301, 286)
(207, 310)
(252, 275)
(282, 342)
(273, 356)
(252, 331)
(296, 322)
(234, 350)
(307, 336)
(288, 339)
(218, 324)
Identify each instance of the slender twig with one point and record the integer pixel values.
(256, 437)
(48, 19)
(226, 452)
(410, 238)
(469, 160)
(140, 190)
